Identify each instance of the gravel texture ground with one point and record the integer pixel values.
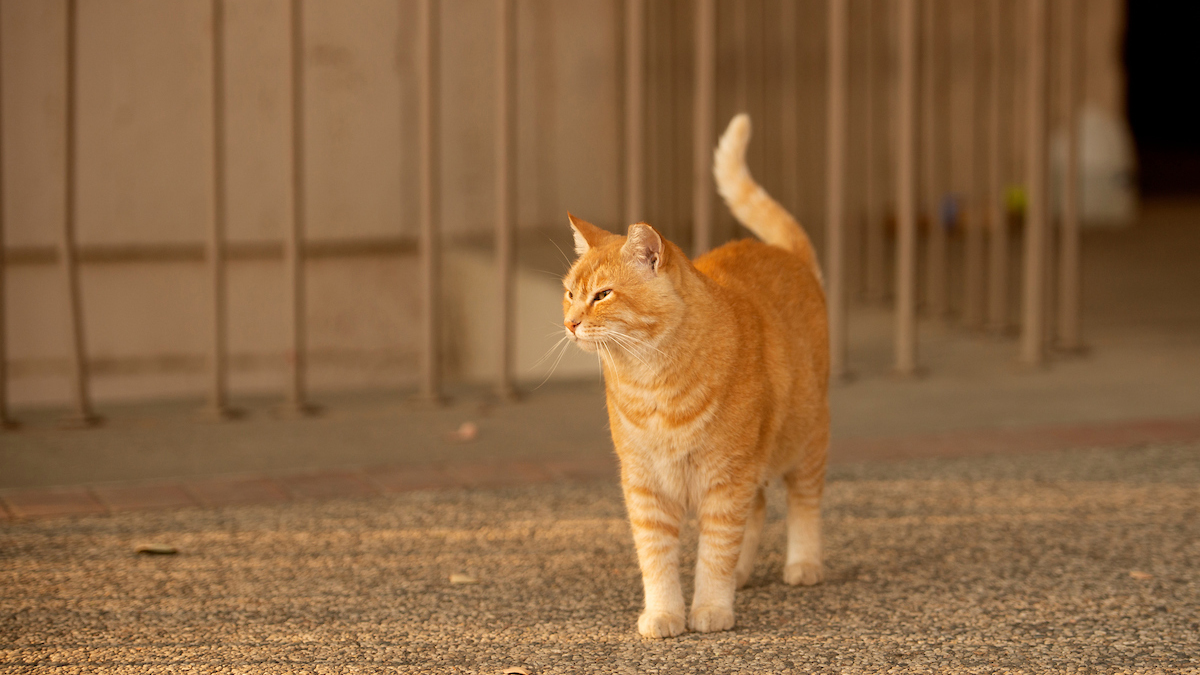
(1079, 562)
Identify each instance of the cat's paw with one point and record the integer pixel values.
(711, 619)
(660, 624)
(803, 573)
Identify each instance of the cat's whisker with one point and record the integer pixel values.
(554, 367)
(549, 351)
(612, 362)
(628, 349)
(564, 255)
(639, 341)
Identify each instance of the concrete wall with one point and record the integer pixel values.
(145, 178)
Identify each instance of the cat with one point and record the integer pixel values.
(716, 378)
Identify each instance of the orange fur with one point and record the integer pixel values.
(716, 376)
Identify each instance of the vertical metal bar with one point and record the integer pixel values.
(835, 200)
(1033, 290)
(635, 73)
(1069, 276)
(753, 67)
(702, 124)
(427, 124)
(293, 248)
(506, 192)
(741, 82)
(789, 169)
(68, 253)
(217, 395)
(906, 208)
(935, 280)
(997, 215)
(973, 256)
(6, 422)
(873, 224)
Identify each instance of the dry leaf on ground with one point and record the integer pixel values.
(156, 549)
(463, 579)
(465, 433)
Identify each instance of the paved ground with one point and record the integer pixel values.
(1079, 562)
(1055, 530)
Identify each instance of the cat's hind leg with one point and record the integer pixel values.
(754, 525)
(805, 483)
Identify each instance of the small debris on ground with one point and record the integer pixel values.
(464, 434)
(463, 579)
(156, 549)
(1137, 574)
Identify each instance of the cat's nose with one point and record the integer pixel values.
(571, 325)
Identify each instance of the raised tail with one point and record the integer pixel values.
(751, 204)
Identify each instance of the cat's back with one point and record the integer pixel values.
(776, 282)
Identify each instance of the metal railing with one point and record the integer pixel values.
(985, 282)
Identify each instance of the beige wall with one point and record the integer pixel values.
(145, 179)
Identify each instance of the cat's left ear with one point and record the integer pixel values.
(643, 249)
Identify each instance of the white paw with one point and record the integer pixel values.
(711, 619)
(803, 573)
(660, 624)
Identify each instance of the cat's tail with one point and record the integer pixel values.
(751, 204)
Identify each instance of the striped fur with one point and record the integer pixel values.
(716, 374)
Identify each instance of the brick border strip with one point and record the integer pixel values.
(1032, 440)
(34, 503)
(240, 490)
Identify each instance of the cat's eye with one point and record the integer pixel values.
(601, 295)
(570, 295)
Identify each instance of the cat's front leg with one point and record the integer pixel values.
(722, 528)
(655, 523)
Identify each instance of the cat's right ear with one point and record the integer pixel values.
(587, 235)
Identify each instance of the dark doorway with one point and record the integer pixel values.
(1162, 58)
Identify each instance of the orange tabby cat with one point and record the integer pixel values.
(716, 374)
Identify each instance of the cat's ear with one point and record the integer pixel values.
(643, 249)
(587, 235)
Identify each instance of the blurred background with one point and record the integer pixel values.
(136, 140)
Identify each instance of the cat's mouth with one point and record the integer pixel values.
(584, 342)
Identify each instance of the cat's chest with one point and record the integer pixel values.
(648, 420)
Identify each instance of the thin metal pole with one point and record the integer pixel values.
(293, 248)
(68, 252)
(789, 168)
(1068, 269)
(217, 396)
(702, 124)
(835, 201)
(635, 67)
(1034, 287)
(935, 281)
(427, 123)
(997, 215)
(906, 208)
(506, 188)
(6, 422)
(875, 245)
(973, 255)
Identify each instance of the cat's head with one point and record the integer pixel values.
(621, 293)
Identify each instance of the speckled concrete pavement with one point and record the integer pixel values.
(1082, 562)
